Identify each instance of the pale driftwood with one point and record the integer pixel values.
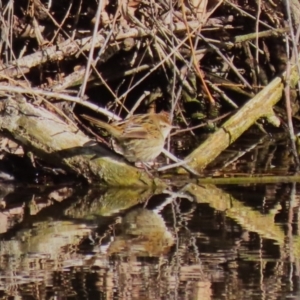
(5, 89)
(63, 145)
(259, 106)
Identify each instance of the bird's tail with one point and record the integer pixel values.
(100, 124)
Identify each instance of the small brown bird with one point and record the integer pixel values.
(140, 138)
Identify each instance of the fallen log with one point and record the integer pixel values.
(259, 106)
(64, 145)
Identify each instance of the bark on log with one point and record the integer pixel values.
(259, 106)
(63, 145)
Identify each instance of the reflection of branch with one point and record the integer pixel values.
(248, 218)
(172, 196)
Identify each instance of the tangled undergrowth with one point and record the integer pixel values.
(201, 60)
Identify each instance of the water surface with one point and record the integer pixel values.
(201, 242)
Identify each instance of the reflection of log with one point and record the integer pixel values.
(45, 240)
(64, 145)
(249, 218)
(97, 202)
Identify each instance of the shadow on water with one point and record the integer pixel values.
(202, 242)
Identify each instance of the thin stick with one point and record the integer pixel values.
(91, 53)
(40, 92)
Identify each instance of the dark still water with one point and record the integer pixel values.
(202, 242)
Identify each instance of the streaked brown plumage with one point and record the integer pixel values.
(140, 138)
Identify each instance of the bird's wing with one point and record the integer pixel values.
(135, 131)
